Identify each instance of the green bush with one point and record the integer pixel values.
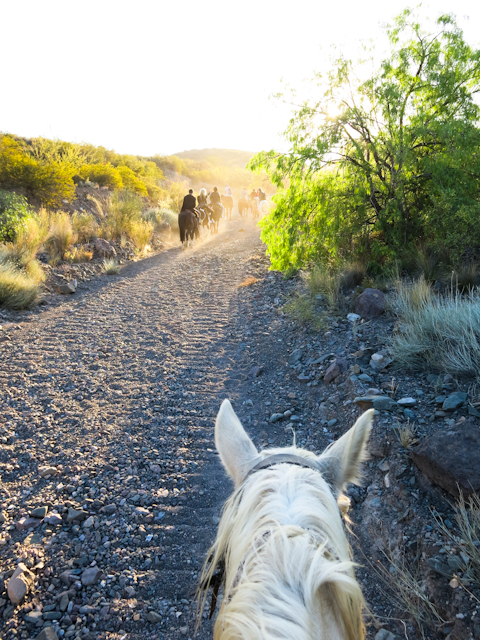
(50, 183)
(131, 182)
(382, 157)
(105, 175)
(14, 210)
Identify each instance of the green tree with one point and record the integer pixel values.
(382, 160)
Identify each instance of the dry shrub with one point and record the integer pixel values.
(61, 236)
(84, 226)
(141, 233)
(248, 282)
(441, 333)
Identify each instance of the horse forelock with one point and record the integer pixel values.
(288, 565)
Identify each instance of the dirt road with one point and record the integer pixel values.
(118, 390)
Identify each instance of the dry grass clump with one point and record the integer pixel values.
(124, 209)
(17, 289)
(61, 236)
(407, 435)
(79, 254)
(324, 281)
(98, 206)
(141, 233)
(111, 267)
(20, 273)
(248, 282)
(84, 226)
(441, 332)
(467, 517)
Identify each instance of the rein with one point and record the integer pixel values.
(218, 578)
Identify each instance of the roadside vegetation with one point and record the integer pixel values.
(383, 167)
(63, 237)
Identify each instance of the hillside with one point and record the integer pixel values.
(223, 157)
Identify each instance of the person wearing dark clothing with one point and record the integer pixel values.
(189, 201)
(261, 195)
(215, 197)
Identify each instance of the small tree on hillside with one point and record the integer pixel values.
(381, 162)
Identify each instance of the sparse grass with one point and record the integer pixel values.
(248, 282)
(84, 226)
(141, 233)
(408, 593)
(79, 254)
(98, 206)
(111, 267)
(302, 309)
(325, 281)
(17, 289)
(61, 236)
(467, 517)
(352, 275)
(465, 276)
(441, 332)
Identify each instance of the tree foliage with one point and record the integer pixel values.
(382, 160)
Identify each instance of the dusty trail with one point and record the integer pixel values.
(118, 390)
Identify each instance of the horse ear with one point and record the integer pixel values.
(340, 462)
(236, 450)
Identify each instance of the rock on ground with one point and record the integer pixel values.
(450, 458)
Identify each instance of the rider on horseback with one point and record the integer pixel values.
(189, 202)
(215, 197)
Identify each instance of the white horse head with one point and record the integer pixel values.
(288, 565)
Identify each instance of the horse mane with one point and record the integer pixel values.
(282, 533)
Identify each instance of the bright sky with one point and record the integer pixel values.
(157, 76)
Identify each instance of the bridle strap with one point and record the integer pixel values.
(282, 458)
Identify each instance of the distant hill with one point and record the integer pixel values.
(220, 157)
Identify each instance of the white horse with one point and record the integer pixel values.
(287, 569)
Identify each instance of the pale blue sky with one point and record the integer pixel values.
(149, 77)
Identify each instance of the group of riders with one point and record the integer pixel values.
(205, 205)
(203, 213)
